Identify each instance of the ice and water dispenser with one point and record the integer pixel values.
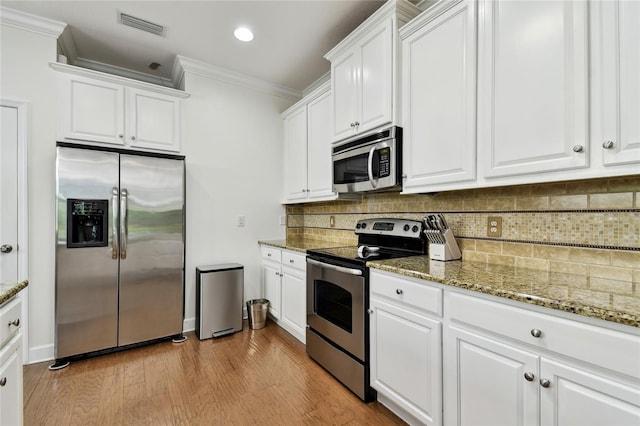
(87, 223)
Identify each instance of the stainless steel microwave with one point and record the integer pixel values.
(369, 162)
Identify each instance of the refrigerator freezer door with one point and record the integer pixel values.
(86, 305)
(151, 273)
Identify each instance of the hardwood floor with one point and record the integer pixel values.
(253, 377)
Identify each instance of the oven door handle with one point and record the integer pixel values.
(335, 267)
(374, 182)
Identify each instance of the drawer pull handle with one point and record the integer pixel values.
(536, 333)
(370, 311)
(290, 260)
(399, 291)
(545, 383)
(529, 376)
(268, 254)
(3, 381)
(15, 322)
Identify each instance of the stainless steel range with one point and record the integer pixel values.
(338, 297)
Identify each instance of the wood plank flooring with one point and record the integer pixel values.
(251, 377)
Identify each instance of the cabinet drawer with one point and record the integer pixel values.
(294, 260)
(414, 293)
(10, 319)
(270, 253)
(601, 346)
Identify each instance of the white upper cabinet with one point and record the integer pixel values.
(98, 108)
(616, 75)
(307, 149)
(439, 97)
(532, 87)
(364, 72)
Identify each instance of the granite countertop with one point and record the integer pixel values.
(610, 300)
(8, 290)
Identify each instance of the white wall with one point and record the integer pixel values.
(233, 146)
(25, 76)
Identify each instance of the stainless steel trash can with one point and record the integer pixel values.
(257, 313)
(219, 296)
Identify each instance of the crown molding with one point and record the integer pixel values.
(318, 83)
(187, 65)
(122, 72)
(32, 23)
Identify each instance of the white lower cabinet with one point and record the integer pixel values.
(11, 364)
(284, 285)
(405, 348)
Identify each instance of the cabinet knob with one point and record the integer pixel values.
(399, 291)
(133, 138)
(404, 177)
(370, 311)
(6, 248)
(536, 333)
(3, 381)
(269, 254)
(529, 376)
(352, 125)
(578, 148)
(291, 260)
(545, 383)
(608, 144)
(121, 136)
(15, 322)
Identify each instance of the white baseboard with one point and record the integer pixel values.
(40, 354)
(188, 324)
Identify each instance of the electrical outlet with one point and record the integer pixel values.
(240, 221)
(494, 226)
(332, 221)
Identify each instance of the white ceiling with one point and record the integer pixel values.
(291, 37)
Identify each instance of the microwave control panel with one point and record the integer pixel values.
(384, 162)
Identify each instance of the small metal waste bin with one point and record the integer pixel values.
(257, 313)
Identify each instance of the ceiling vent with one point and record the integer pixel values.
(141, 24)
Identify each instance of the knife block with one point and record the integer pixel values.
(447, 251)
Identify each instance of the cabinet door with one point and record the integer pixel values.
(91, 110)
(11, 382)
(153, 120)
(295, 154)
(439, 111)
(344, 74)
(319, 172)
(294, 302)
(486, 382)
(406, 360)
(577, 397)
(375, 78)
(616, 101)
(533, 79)
(271, 287)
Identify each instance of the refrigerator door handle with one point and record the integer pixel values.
(123, 223)
(114, 227)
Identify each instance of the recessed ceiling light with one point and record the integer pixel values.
(243, 34)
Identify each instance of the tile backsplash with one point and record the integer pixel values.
(588, 227)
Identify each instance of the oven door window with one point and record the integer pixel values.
(355, 169)
(334, 304)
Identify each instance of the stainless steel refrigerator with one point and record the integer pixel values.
(119, 251)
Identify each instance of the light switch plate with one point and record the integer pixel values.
(240, 221)
(494, 226)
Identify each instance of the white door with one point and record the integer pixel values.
(272, 286)
(406, 361)
(294, 301)
(573, 396)
(532, 86)
(295, 154)
(9, 196)
(153, 120)
(492, 383)
(344, 78)
(319, 173)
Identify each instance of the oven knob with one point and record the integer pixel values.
(406, 228)
(358, 226)
(364, 225)
(415, 228)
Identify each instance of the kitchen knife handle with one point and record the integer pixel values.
(114, 226)
(123, 223)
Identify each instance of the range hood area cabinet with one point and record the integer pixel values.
(107, 110)
(568, 111)
(365, 72)
(307, 149)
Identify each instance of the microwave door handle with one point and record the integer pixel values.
(123, 224)
(374, 182)
(114, 226)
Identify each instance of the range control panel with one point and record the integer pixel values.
(390, 226)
